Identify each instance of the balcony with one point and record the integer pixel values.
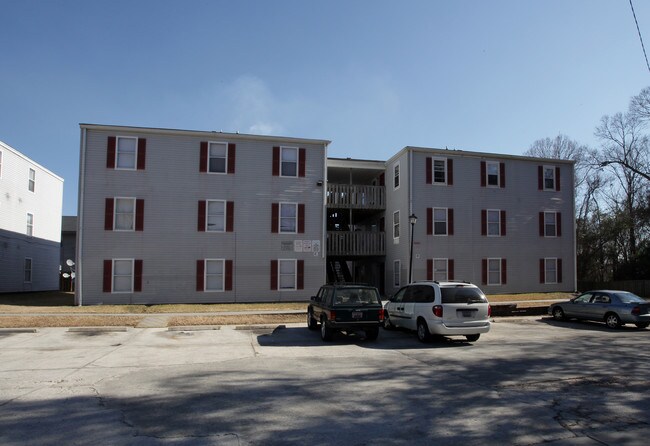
(358, 243)
(346, 196)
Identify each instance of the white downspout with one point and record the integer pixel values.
(80, 214)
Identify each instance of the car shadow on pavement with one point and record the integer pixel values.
(576, 324)
(387, 340)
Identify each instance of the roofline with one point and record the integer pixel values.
(206, 133)
(349, 163)
(484, 155)
(6, 146)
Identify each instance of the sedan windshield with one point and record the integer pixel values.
(629, 298)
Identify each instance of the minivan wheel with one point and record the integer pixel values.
(423, 331)
(612, 320)
(387, 323)
(325, 331)
(473, 337)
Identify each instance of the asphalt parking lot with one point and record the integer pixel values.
(529, 381)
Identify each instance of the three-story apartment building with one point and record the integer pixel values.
(31, 199)
(190, 216)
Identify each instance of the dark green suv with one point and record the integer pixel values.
(346, 308)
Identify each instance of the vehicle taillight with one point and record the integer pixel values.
(437, 310)
(381, 314)
(489, 310)
(332, 315)
(636, 311)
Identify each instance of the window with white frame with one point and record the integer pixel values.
(439, 171)
(550, 224)
(28, 270)
(440, 270)
(550, 270)
(439, 221)
(494, 271)
(288, 218)
(492, 168)
(126, 153)
(549, 178)
(289, 161)
(396, 224)
(122, 276)
(124, 214)
(397, 279)
(214, 274)
(30, 224)
(493, 222)
(287, 270)
(396, 176)
(217, 157)
(31, 184)
(216, 216)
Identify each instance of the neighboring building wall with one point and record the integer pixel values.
(31, 200)
(169, 243)
(509, 236)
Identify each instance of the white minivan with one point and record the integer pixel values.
(439, 308)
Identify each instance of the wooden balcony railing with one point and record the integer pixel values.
(358, 243)
(356, 196)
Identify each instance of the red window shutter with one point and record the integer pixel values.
(274, 274)
(230, 216)
(542, 271)
(541, 224)
(302, 159)
(301, 219)
(504, 272)
(110, 152)
(502, 174)
(275, 209)
(142, 153)
(559, 270)
(203, 163)
(109, 208)
(558, 222)
(300, 276)
(483, 174)
(429, 170)
(231, 157)
(108, 276)
(201, 216)
(483, 222)
(228, 279)
(484, 271)
(137, 276)
(382, 224)
(429, 269)
(557, 178)
(429, 221)
(382, 179)
(139, 214)
(450, 172)
(450, 222)
(450, 269)
(540, 177)
(200, 275)
(276, 161)
(503, 223)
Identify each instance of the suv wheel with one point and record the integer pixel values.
(311, 322)
(473, 337)
(372, 333)
(325, 331)
(423, 331)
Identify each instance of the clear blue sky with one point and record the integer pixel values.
(371, 76)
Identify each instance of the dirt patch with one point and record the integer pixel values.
(252, 319)
(68, 321)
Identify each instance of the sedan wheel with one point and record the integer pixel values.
(558, 314)
(612, 320)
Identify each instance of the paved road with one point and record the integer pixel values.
(529, 381)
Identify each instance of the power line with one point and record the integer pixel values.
(640, 38)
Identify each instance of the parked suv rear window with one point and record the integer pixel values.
(355, 296)
(462, 295)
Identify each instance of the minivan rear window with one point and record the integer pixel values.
(462, 295)
(356, 296)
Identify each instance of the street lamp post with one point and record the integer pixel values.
(412, 219)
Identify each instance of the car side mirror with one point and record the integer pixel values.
(313, 298)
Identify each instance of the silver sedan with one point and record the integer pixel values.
(615, 308)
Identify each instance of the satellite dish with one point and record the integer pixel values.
(66, 275)
(69, 262)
